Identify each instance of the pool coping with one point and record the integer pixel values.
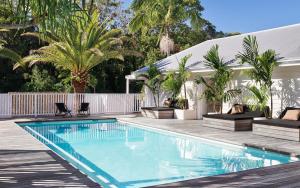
(62, 119)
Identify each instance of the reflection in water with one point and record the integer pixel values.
(134, 157)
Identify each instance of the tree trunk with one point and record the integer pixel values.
(271, 98)
(221, 106)
(79, 82)
(186, 102)
(154, 97)
(158, 100)
(79, 86)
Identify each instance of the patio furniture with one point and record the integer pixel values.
(62, 110)
(278, 128)
(84, 109)
(233, 122)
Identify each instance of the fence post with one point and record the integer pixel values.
(124, 109)
(10, 104)
(35, 105)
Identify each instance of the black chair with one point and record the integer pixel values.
(62, 110)
(84, 109)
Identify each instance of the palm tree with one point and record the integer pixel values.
(258, 98)
(162, 15)
(263, 64)
(175, 81)
(7, 53)
(45, 14)
(80, 47)
(184, 75)
(216, 85)
(172, 84)
(153, 81)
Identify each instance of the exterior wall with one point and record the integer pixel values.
(286, 88)
(148, 98)
(193, 95)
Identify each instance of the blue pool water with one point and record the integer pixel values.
(116, 154)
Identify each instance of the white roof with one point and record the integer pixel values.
(284, 40)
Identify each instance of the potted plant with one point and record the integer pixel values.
(216, 91)
(263, 67)
(153, 81)
(174, 83)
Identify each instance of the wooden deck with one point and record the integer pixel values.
(270, 177)
(25, 162)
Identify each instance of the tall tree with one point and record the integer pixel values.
(162, 15)
(263, 64)
(82, 46)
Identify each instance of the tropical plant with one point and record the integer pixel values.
(258, 98)
(172, 84)
(184, 74)
(263, 65)
(153, 81)
(216, 85)
(7, 53)
(92, 82)
(163, 15)
(175, 81)
(83, 45)
(47, 14)
(40, 80)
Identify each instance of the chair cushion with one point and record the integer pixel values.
(286, 109)
(237, 109)
(279, 123)
(248, 112)
(291, 115)
(231, 117)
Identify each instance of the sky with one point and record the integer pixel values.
(249, 15)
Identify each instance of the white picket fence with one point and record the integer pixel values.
(43, 104)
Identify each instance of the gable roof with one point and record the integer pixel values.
(284, 40)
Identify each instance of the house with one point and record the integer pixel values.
(284, 40)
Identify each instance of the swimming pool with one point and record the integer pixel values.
(117, 154)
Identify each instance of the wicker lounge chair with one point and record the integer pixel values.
(278, 128)
(233, 122)
(84, 109)
(62, 110)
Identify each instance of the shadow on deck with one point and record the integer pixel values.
(39, 168)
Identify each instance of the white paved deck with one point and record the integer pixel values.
(195, 128)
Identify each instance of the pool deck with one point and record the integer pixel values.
(241, 138)
(25, 162)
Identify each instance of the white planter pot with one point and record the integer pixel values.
(185, 114)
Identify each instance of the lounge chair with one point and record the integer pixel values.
(62, 110)
(279, 128)
(84, 109)
(233, 122)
